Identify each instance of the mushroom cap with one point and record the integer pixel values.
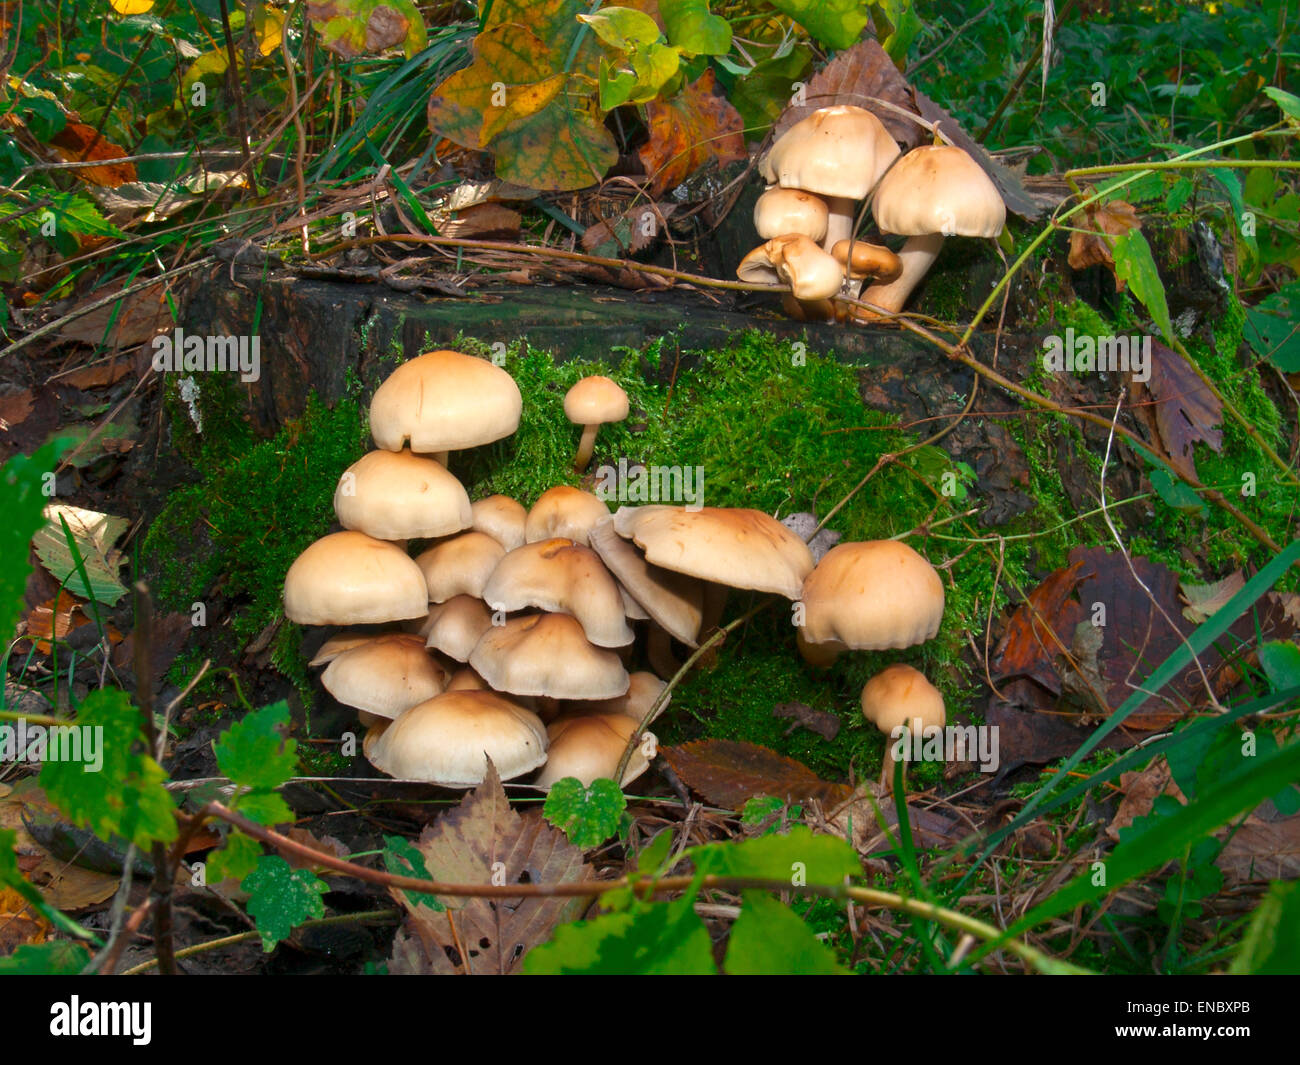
(898, 695)
(337, 644)
(444, 401)
(563, 577)
(467, 680)
(349, 578)
(454, 627)
(460, 565)
(642, 691)
(547, 654)
(780, 211)
(797, 261)
(448, 739)
(733, 546)
(395, 495)
(867, 260)
(595, 400)
(673, 600)
(939, 189)
(385, 675)
(564, 511)
(632, 610)
(835, 151)
(872, 596)
(589, 748)
(501, 518)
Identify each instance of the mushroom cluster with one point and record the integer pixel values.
(817, 173)
(516, 633)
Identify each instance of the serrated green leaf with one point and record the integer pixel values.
(235, 860)
(769, 939)
(60, 958)
(93, 534)
(759, 809)
(22, 503)
(837, 23)
(1271, 945)
(281, 898)
(263, 806)
(403, 858)
(694, 29)
(124, 793)
(1134, 264)
(254, 754)
(799, 857)
(663, 939)
(586, 815)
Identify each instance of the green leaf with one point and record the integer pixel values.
(762, 94)
(122, 790)
(587, 815)
(1175, 493)
(235, 860)
(1273, 328)
(1271, 945)
(93, 535)
(354, 28)
(692, 28)
(837, 23)
(280, 898)
(254, 754)
(769, 939)
(22, 502)
(1134, 264)
(403, 858)
(799, 857)
(905, 26)
(1288, 102)
(1280, 661)
(760, 808)
(60, 958)
(622, 27)
(663, 939)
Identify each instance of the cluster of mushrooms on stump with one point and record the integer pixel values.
(818, 171)
(514, 631)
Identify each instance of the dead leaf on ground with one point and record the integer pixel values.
(77, 143)
(1262, 850)
(822, 722)
(478, 935)
(55, 618)
(1038, 630)
(324, 844)
(687, 131)
(728, 773)
(14, 408)
(1092, 243)
(482, 221)
(124, 323)
(1179, 409)
(632, 231)
(1140, 791)
(20, 923)
(99, 375)
(1204, 599)
(63, 885)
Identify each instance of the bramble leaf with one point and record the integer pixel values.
(281, 898)
(586, 815)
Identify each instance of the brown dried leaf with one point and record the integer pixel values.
(687, 131)
(77, 143)
(1263, 850)
(1038, 630)
(1204, 599)
(55, 619)
(14, 408)
(1140, 792)
(822, 722)
(100, 375)
(728, 773)
(483, 221)
(129, 321)
(1179, 409)
(1102, 224)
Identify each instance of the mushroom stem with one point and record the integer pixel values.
(585, 447)
(917, 256)
(841, 214)
(443, 457)
(659, 653)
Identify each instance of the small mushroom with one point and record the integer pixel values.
(589, 747)
(501, 518)
(454, 627)
(593, 402)
(460, 565)
(547, 655)
(900, 696)
(397, 495)
(564, 511)
(349, 578)
(385, 675)
(780, 211)
(797, 261)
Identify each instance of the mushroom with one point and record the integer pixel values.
(396, 495)
(779, 212)
(467, 680)
(873, 595)
(448, 740)
(590, 747)
(349, 578)
(866, 260)
(385, 675)
(934, 192)
(564, 511)
(444, 401)
(735, 546)
(837, 152)
(896, 697)
(672, 600)
(454, 627)
(501, 518)
(460, 565)
(797, 261)
(547, 655)
(642, 691)
(591, 403)
(563, 577)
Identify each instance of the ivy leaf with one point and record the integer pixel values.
(692, 28)
(403, 858)
(769, 939)
(22, 503)
(281, 897)
(235, 860)
(586, 815)
(124, 793)
(837, 23)
(687, 131)
(352, 28)
(1134, 264)
(663, 939)
(798, 856)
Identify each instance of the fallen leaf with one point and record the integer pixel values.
(54, 619)
(127, 322)
(77, 143)
(14, 408)
(1092, 242)
(100, 375)
(94, 534)
(695, 126)
(1204, 599)
(484, 221)
(63, 885)
(1179, 408)
(1038, 630)
(20, 923)
(728, 773)
(352, 28)
(1262, 850)
(1140, 791)
(822, 722)
(630, 232)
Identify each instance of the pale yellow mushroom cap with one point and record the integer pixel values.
(589, 747)
(454, 627)
(797, 261)
(385, 675)
(595, 400)
(459, 566)
(782, 211)
(396, 495)
(939, 189)
(564, 511)
(900, 695)
(501, 518)
(547, 654)
(349, 578)
(835, 151)
(673, 600)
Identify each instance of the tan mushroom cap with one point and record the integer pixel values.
(374, 730)
(454, 627)
(458, 566)
(595, 400)
(899, 695)
(642, 691)
(564, 511)
(396, 495)
(797, 261)
(547, 654)
(733, 546)
(385, 675)
(467, 680)
(939, 189)
(872, 596)
(337, 644)
(501, 518)
(589, 748)
(349, 578)
(673, 600)
(781, 211)
(867, 260)
(448, 740)
(632, 610)
(563, 577)
(444, 401)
